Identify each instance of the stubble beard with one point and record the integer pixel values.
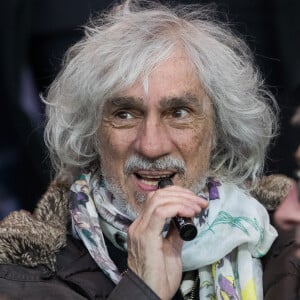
(119, 196)
(136, 162)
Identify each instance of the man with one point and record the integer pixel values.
(151, 93)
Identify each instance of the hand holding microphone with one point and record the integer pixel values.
(185, 226)
(149, 251)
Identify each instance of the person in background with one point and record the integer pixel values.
(282, 264)
(287, 215)
(151, 94)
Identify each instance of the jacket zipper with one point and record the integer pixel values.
(194, 289)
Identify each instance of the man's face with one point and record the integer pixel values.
(164, 130)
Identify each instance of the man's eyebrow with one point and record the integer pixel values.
(165, 103)
(185, 100)
(125, 101)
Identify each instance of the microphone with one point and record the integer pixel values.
(185, 226)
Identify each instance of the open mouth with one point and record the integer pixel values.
(147, 179)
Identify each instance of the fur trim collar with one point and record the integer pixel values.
(271, 190)
(34, 239)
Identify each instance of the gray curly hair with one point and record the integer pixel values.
(124, 45)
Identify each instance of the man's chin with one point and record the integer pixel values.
(124, 207)
(140, 197)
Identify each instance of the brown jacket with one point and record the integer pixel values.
(282, 269)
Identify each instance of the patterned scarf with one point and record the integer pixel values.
(233, 233)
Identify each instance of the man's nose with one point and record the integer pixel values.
(153, 139)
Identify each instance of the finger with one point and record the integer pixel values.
(155, 223)
(174, 238)
(181, 192)
(164, 198)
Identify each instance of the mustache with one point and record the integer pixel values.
(136, 162)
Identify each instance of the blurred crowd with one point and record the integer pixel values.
(34, 37)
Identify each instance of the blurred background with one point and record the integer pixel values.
(35, 35)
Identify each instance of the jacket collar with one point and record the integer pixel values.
(34, 239)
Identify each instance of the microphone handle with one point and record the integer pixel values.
(185, 226)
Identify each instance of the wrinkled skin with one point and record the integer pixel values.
(173, 118)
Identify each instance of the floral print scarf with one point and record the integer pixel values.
(233, 233)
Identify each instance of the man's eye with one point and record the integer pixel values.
(125, 115)
(180, 113)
